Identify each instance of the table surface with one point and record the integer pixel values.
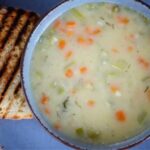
(28, 134)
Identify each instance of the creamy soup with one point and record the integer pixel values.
(90, 73)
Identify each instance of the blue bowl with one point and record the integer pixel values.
(26, 78)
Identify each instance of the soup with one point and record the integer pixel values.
(90, 73)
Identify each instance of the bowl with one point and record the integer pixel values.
(140, 7)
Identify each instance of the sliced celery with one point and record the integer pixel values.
(113, 74)
(77, 14)
(146, 20)
(146, 78)
(65, 103)
(93, 135)
(141, 117)
(120, 65)
(70, 65)
(38, 74)
(60, 89)
(115, 9)
(80, 132)
(52, 36)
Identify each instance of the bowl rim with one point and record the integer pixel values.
(60, 139)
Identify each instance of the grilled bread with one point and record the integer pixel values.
(15, 28)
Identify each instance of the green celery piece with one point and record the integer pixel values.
(113, 74)
(70, 65)
(146, 78)
(39, 74)
(58, 88)
(120, 64)
(80, 132)
(93, 135)
(115, 9)
(77, 14)
(65, 103)
(146, 20)
(141, 117)
(52, 36)
(61, 90)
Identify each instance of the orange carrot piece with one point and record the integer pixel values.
(83, 70)
(68, 54)
(130, 48)
(47, 111)
(71, 24)
(132, 37)
(73, 91)
(89, 41)
(85, 41)
(44, 99)
(69, 73)
(115, 50)
(57, 24)
(57, 125)
(91, 103)
(69, 33)
(120, 115)
(93, 31)
(62, 44)
(122, 20)
(81, 40)
(143, 62)
(114, 89)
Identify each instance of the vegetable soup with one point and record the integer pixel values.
(90, 73)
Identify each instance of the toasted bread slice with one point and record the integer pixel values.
(15, 28)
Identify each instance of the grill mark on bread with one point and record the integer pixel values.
(15, 104)
(17, 89)
(4, 55)
(15, 57)
(7, 97)
(24, 111)
(8, 22)
(3, 13)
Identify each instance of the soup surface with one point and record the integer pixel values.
(90, 73)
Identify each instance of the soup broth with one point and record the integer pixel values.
(90, 73)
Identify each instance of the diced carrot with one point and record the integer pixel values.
(73, 91)
(115, 50)
(57, 24)
(91, 103)
(44, 99)
(89, 41)
(85, 41)
(114, 89)
(132, 36)
(120, 115)
(66, 31)
(96, 31)
(62, 44)
(69, 33)
(71, 24)
(122, 20)
(143, 62)
(130, 48)
(83, 70)
(47, 111)
(81, 40)
(68, 54)
(69, 73)
(93, 31)
(57, 125)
